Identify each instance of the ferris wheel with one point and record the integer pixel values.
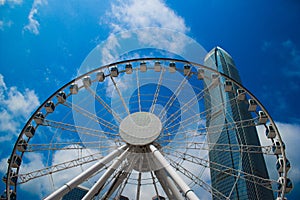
(149, 128)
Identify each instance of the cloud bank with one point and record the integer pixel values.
(15, 107)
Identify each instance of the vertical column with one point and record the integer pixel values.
(176, 178)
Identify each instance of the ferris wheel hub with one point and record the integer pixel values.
(140, 128)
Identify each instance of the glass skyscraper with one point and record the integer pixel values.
(223, 111)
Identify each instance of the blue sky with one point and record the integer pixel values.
(43, 44)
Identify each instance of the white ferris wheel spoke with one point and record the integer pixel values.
(91, 116)
(120, 95)
(66, 146)
(138, 89)
(105, 105)
(157, 90)
(186, 107)
(196, 180)
(239, 174)
(204, 146)
(76, 128)
(174, 95)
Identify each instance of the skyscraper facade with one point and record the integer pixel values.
(225, 136)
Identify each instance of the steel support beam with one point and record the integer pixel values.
(176, 178)
(168, 185)
(100, 183)
(84, 175)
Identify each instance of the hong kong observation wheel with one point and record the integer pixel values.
(139, 129)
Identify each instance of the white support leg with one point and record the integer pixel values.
(85, 175)
(168, 185)
(176, 178)
(99, 184)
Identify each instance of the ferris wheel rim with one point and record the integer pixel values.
(149, 59)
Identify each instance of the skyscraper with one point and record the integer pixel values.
(230, 112)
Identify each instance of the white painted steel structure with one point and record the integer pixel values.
(136, 128)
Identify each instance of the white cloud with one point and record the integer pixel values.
(138, 25)
(2, 83)
(21, 104)
(11, 2)
(3, 165)
(159, 20)
(110, 50)
(16, 106)
(7, 123)
(37, 185)
(139, 14)
(33, 24)
(132, 15)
